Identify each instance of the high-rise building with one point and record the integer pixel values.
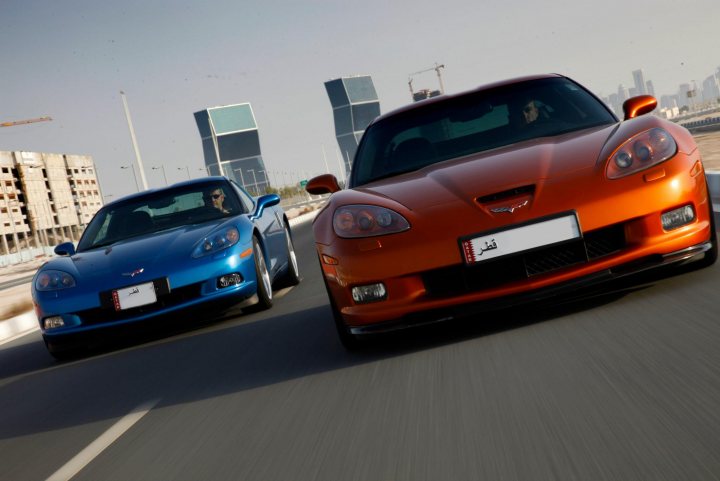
(711, 90)
(622, 93)
(639, 79)
(45, 199)
(355, 104)
(650, 88)
(231, 145)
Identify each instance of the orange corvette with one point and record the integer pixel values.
(507, 193)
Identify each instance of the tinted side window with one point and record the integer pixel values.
(245, 199)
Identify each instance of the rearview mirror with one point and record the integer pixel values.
(265, 201)
(640, 105)
(65, 249)
(322, 184)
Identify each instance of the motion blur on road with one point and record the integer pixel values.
(622, 385)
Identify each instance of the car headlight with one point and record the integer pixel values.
(52, 280)
(217, 241)
(353, 221)
(641, 152)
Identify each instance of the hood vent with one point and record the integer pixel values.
(507, 194)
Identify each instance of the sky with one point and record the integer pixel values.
(69, 59)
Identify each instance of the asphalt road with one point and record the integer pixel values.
(621, 386)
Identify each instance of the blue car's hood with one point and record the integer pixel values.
(156, 254)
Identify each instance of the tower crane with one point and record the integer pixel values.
(26, 121)
(436, 68)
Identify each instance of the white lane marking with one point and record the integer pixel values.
(84, 457)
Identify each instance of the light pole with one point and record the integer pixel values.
(132, 166)
(162, 167)
(134, 142)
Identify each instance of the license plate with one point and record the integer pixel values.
(134, 296)
(487, 246)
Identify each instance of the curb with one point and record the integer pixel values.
(303, 218)
(17, 326)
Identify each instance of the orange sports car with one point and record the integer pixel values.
(508, 193)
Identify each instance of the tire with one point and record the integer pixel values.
(292, 276)
(711, 255)
(264, 287)
(59, 352)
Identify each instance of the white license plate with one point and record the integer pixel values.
(518, 239)
(134, 296)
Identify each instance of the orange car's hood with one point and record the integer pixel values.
(495, 171)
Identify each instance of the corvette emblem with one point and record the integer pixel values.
(509, 208)
(133, 273)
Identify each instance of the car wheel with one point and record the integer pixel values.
(264, 286)
(711, 255)
(59, 352)
(292, 276)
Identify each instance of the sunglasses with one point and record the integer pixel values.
(529, 109)
(214, 196)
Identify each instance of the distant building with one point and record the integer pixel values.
(231, 145)
(650, 88)
(355, 104)
(45, 198)
(622, 94)
(639, 79)
(711, 90)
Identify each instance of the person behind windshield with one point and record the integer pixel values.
(216, 198)
(530, 112)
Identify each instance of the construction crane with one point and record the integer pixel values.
(426, 93)
(26, 121)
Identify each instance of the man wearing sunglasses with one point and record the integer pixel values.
(216, 198)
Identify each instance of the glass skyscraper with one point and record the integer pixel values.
(231, 145)
(355, 104)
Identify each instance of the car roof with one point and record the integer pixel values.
(201, 181)
(446, 97)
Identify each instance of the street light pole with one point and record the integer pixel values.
(162, 167)
(134, 142)
(132, 166)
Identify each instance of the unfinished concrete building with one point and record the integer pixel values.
(45, 199)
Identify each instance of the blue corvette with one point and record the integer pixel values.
(202, 243)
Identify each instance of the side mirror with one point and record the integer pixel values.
(640, 105)
(263, 202)
(322, 184)
(65, 249)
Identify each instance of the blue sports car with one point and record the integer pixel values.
(202, 243)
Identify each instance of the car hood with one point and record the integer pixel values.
(494, 172)
(157, 254)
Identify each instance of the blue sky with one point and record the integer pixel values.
(69, 59)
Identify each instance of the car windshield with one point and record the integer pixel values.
(472, 123)
(160, 210)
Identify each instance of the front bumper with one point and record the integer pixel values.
(432, 316)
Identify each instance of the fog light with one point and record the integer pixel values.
(53, 322)
(229, 280)
(369, 293)
(678, 217)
